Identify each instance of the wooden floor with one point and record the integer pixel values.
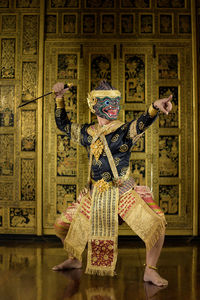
(25, 273)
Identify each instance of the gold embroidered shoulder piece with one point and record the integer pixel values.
(95, 129)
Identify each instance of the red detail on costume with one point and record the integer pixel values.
(125, 204)
(147, 196)
(102, 253)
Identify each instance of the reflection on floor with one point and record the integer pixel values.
(25, 273)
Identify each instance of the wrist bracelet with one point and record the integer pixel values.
(152, 111)
(155, 107)
(60, 102)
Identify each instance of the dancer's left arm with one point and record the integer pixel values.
(139, 125)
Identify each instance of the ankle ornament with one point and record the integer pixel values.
(150, 267)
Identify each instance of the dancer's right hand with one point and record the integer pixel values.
(59, 90)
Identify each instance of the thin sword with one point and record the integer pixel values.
(66, 86)
(26, 103)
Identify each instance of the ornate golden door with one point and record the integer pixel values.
(161, 159)
(144, 48)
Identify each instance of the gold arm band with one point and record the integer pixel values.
(60, 102)
(152, 111)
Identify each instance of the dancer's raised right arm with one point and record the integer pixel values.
(76, 132)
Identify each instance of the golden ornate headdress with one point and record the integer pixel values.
(93, 95)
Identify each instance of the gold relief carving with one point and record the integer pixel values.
(7, 97)
(22, 217)
(135, 4)
(100, 69)
(166, 23)
(185, 24)
(67, 66)
(146, 23)
(134, 78)
(131, 115)
(27, 3)
(89, 23)
(63, 4)
(75, 133)
(170, 4)
(66, 157)
(169, 199)
(6, 191)
(70, 99)
(168, 156)
(108, 23)
(7, 155)
(9, 23)
(66, 195)
(127, 23)
(70, 24)
(4, 3)
(50, 24)
(1, 217)
(8, 58)
(29, 85)
(30, 35)
(28, 130)
(171, 120)
(138, 170)
(99, 3)
(28, 180)
(168, 66)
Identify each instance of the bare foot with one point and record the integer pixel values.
(152, 276)
(71, 263)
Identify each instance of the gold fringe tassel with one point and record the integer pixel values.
(101, 272)
(152, 240)
(72, 251)
(148, 225)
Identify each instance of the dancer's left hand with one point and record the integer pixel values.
(164, 104)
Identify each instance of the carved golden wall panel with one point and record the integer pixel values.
(7, 105)
(8, 23)
(8, 58)
(62, 171)
(28, 127)
(18, 127)
(29, 81)
(30, 35)
(143, 48)
(7, 155)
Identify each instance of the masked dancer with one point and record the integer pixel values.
(111, 195)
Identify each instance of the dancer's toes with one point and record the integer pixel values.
(152, 276)
(68, 264)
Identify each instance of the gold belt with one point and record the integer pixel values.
(102, 185)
